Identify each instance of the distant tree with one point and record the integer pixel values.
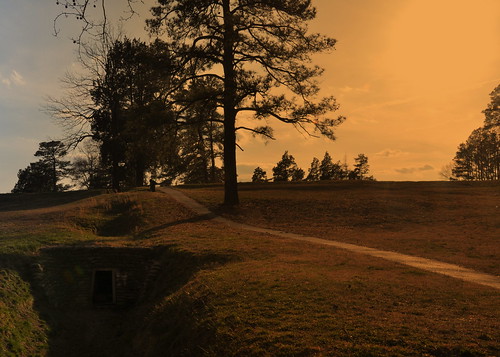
(87, 169)
(328, 170)
(297, 174)
(479, 157)
(45, 174)
(344, 170)
(492, 112)
(446, 172)
(51, 155)
(259, 175)
(34, 178)
(250, 48)
(287, 170)
(314, 171)
(361, 168)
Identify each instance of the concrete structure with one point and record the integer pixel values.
(80, 277)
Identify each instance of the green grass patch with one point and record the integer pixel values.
(22, 331)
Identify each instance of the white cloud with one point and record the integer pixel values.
(15, 78)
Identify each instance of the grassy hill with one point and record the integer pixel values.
(226, 292)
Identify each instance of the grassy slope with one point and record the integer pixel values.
(238, 293)
(456, 222)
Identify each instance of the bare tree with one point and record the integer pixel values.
(93, 17)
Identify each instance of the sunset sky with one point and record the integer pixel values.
(411, 76)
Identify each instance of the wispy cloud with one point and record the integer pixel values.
(15, 78)
(411, 170)
(391, 153)
(386, 104)
(363, 89)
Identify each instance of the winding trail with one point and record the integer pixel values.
(431, 265)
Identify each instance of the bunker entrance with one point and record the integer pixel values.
(103, 292)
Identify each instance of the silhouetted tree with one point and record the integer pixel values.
(34, 178)
(447, 172)
(297, 174)
(131, 118)
(330, 170)
(45, 174)
(314, 171)
(201, 131)
(492, 112)
(259, 175)
(287, 170)
(250, 47)
(92, 14)
(479, 157)
(87, 169)
(361, 168)
(51, 154)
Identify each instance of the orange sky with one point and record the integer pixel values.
(412, 77)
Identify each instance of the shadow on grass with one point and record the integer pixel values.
(162, 308)
(29, 201)
(200, 218)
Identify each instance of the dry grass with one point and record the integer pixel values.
(268, 296)
(452, 222)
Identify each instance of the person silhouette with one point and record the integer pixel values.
(152, 185)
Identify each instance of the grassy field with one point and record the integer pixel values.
(235, 293)
(455, 222)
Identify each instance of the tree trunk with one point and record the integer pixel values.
(230, 175)
(212, 153)
(139, 172)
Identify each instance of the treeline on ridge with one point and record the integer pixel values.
(287, 170)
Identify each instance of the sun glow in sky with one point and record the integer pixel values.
(437, 46)
(411, 76)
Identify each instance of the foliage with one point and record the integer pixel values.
(479, 157)
(87, 169)
(361, 168)
(314, 171)
(44, 175)
(200, 134)
(259, 175)
(492, 112)
(287, 170)
(330, 170)
(131, 119)
(250, 48)
(121, 104)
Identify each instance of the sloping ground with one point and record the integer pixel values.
(223, 291)
(454, 222)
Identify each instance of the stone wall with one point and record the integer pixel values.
(65, 274)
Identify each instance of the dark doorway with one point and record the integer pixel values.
(103, 287)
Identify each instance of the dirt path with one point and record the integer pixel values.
(435, 266)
